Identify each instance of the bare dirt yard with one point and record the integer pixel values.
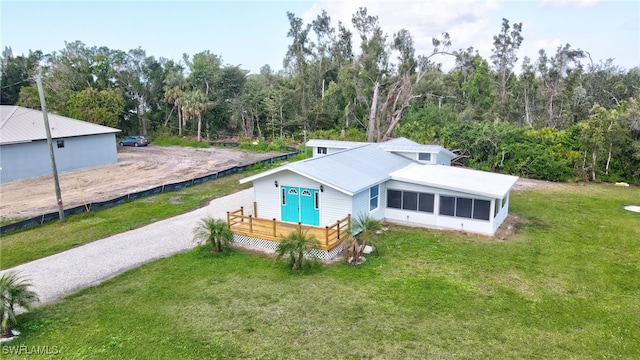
(137, 169)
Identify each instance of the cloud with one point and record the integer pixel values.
(465, 21)
(567, 3)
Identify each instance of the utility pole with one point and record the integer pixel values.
(51, 154)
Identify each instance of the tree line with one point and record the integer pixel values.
(560, 117)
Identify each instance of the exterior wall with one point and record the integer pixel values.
(330, 150)
(416, 218)
(25, 160)
(442, 159)
(334, 205)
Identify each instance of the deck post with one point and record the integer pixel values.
(228, 220)
(338, 228)
(300, 227)
(250, 224)
(242, 211)
(349, 223)
(274, 227)
(255, 209)
(326, 235)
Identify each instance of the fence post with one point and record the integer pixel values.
(274, 227)
(326, 236)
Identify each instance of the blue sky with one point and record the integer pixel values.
(253, 33)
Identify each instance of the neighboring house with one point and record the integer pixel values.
(397, 181)
(24, 152)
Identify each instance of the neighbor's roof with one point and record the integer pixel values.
(398, 144)
(465, 180)
(349, 171)
(334, 143)
(20, 125)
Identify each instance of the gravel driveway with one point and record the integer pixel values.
(61, 274)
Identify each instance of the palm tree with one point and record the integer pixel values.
(13, 291)
(294, 246)
(195, 103)
(364, 226)
(213, 231)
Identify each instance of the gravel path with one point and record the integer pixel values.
(61, 274)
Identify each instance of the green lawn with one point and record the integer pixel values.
(567, 286)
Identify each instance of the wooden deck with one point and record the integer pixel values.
(329, 236)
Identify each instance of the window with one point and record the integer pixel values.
(425, 202)
(447, 205)
(306, 192)
(424, 156)
(316, 201)
(409, 200)
(481, 209)
(464, 207)
(374, 191)
(284, 197)
(497, 208)
(60, 144)
(321, 150)
(394, 199)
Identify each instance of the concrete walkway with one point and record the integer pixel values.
(61, 274)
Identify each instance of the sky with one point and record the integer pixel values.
(254, 33)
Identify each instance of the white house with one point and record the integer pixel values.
(24, 152)
(397, 181)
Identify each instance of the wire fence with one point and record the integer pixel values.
(41, 219)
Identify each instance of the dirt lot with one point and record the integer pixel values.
(137, 169)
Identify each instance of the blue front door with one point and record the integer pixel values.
(290, 201)
(309, 207)
(300, 205)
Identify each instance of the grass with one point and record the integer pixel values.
(54, 237)
(566, 286)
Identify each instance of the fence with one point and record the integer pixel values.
(41, 219)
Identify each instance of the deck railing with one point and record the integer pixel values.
(328, 237)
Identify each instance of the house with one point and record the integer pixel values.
(397, 181)
(24, 151)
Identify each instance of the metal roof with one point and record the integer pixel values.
(398, 144)
(334, 143)
(20, 125)
(465, 180)
(417, 148)
(349, 171)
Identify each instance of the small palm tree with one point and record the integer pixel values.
(213, 231)
(365, 227)
(294, 246)
(14, 290)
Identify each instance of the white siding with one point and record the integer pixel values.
(417, 218)
(441, 159)
(25, 160)
(334, 205)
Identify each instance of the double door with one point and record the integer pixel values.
(300, 205)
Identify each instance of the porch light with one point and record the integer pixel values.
(275, 183)
(321, 188)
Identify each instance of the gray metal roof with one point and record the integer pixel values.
(349, 171)
(334, 143)
(19, 125)
(465, 180)
(417, 148)
(398, 144)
